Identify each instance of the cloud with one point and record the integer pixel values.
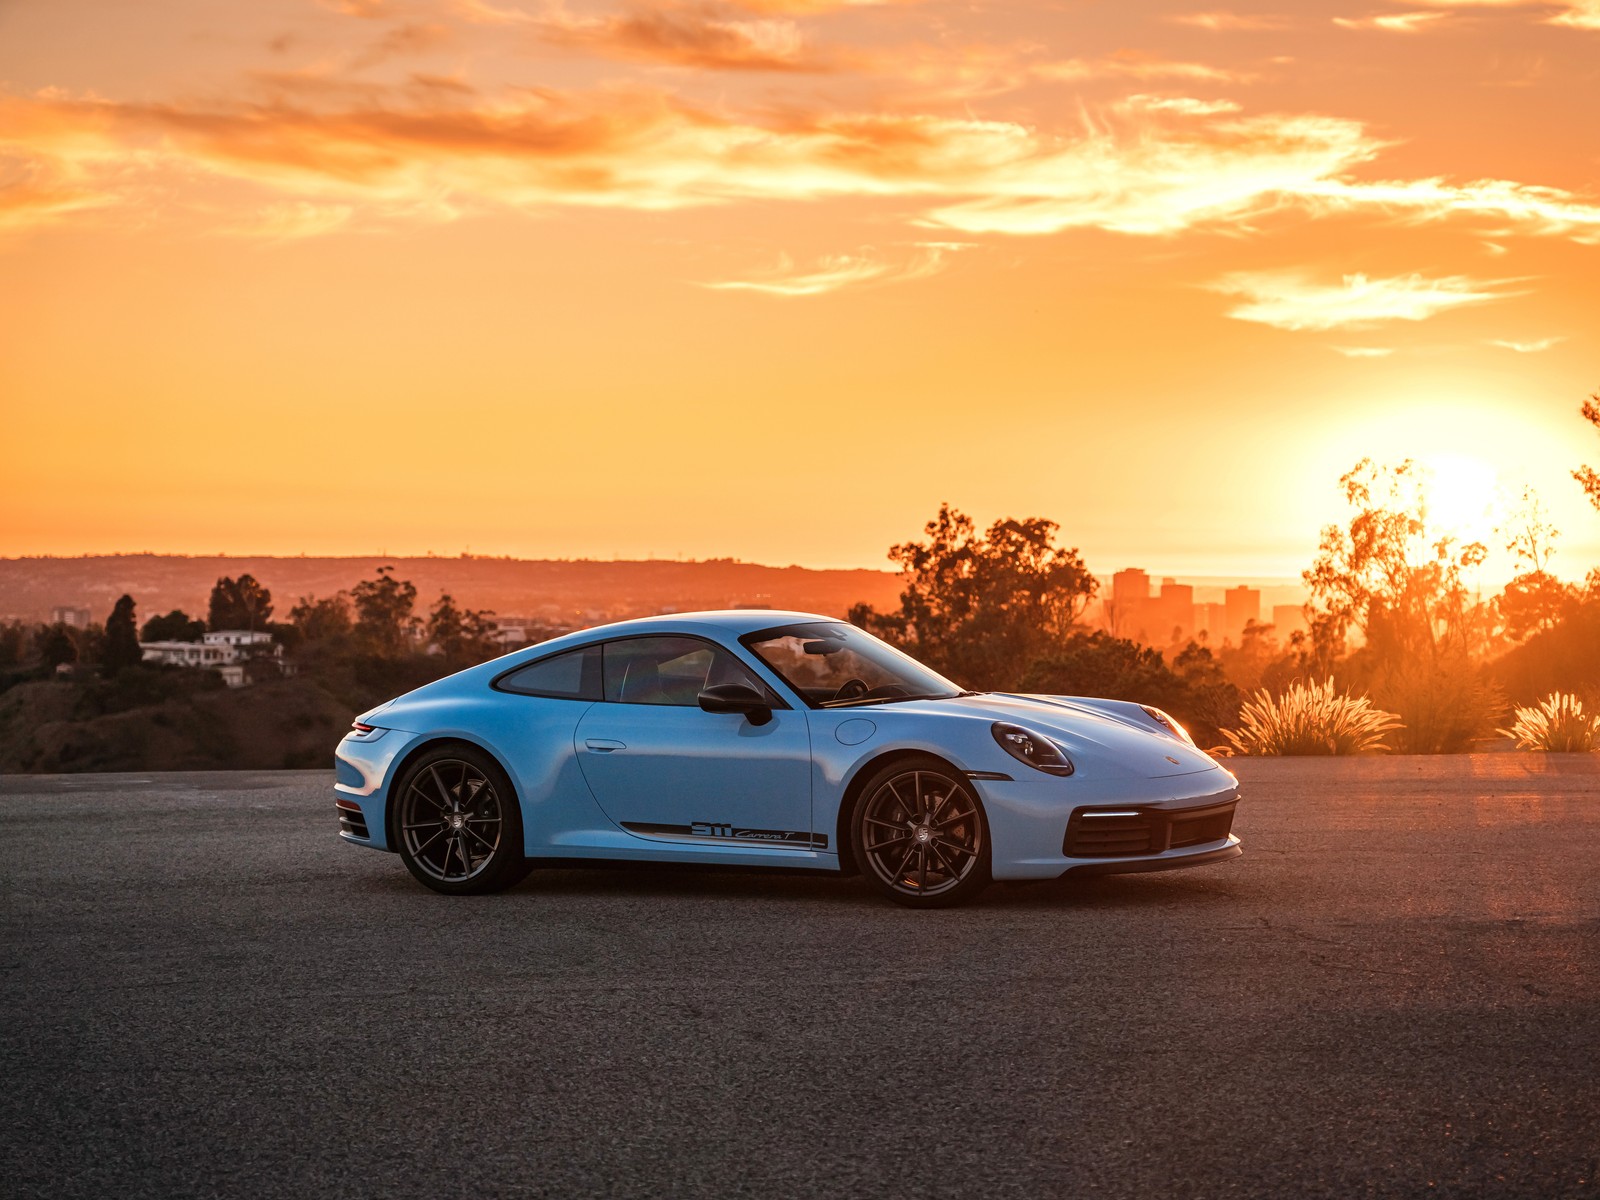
(434, 149)
(1513, 207)
(365, 9)
(1188, 174)
(403, 41)
(1576, 14)
(1528, 347)
(290, 220)
(1288, 300)
(1186, 105)
(687, 38)
(1584, 14)
(1365, 351)
(1411, 22)
(845, 270)
(1219, 22)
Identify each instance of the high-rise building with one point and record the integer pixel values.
(1242, 605)
(1288, 619)
(1210, 619)
(1172, 613)
(1130, 586)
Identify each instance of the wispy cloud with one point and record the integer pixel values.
(837, 271)
(1533, 347)
(436, 149)
(1577, 14)
(686, 37)
(1365, 351)
(1290, 300)
(1583, 14)
(1220, 22)
(289, 220)
(1411, 22)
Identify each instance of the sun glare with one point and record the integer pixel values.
(1460, 495)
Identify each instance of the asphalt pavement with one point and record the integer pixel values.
(1395, 992)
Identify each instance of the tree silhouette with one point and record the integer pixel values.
(981, 608)
(322, 620)
(1387, 574)
(57, 646)
(384, 604)
(175, 626)
(1587, 476)
(239, 604)
(122, 639)
(461, 635)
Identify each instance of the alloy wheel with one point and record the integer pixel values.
(921, 833)
(451, 820)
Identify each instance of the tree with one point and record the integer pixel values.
(981, 608)
(322, 620)
(1533, 602)
(13, 643)
(175, 626)
(1529, 536)
(1387, 574)
(56, 646)
(122, 639)
(461, 635)
(1586, 476)
(239, 604)
(384, 620)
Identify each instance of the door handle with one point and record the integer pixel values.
(605, 745)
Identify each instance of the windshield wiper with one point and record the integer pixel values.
(890, 699)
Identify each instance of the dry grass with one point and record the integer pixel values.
(1557, 723)
(1310, 719)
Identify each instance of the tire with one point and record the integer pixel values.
(920, 835)
(458, 825)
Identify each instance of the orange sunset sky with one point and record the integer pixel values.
(772, 278)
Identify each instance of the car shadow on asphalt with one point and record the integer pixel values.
(687, 881)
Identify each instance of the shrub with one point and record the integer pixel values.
(1444, 706)
(1310, 719)
(1557, 724)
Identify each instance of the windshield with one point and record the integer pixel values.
(832, 665)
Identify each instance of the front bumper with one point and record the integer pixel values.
(1174, 860)
(1045, 828)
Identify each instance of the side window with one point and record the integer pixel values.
(574, 675)
(668, 670)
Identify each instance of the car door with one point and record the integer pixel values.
(663, 768)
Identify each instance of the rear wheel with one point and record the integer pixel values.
(460, 829)
(920, 836)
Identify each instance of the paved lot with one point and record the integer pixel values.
(1393, 993)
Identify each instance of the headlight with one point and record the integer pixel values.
(1176, 730)
(1038, 751)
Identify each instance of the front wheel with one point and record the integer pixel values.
(920, 836)
(460, 829)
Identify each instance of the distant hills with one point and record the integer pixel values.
(556, 591)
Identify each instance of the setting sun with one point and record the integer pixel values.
(1461, 496)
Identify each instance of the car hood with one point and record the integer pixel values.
(1085, 732)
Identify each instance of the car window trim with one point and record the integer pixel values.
(772, 695)
(495, 683)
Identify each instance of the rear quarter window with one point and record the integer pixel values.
(572, 675)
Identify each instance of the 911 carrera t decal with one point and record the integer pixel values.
(712, 831)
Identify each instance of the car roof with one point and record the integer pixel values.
(737, 621)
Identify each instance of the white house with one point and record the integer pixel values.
(224, 650)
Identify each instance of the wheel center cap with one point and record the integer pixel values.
(923, 833)
(458, 820)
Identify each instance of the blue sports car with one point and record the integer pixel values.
(759, 738)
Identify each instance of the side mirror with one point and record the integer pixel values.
(737, 698)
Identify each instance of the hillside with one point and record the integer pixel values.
(557, 591)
